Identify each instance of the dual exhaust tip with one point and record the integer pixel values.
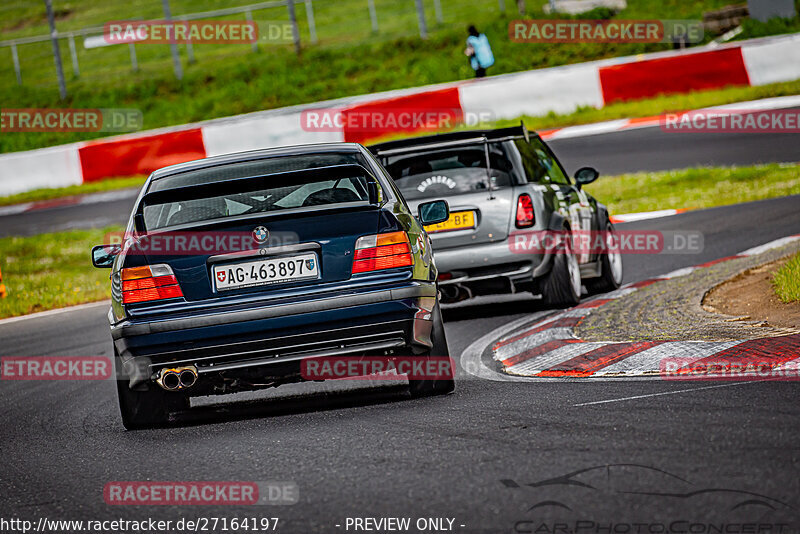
(177, 378)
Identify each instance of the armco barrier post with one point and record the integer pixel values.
(423, 27)
(295, 29)
(3, 292)
(373, 15)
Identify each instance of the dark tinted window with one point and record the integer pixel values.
(539, 164)
(259, 167)
(549, 162)
(256, 190)
(437, 173)
(535, 172)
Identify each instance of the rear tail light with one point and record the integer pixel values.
(525, 215)
(382, 251)
(148, 283)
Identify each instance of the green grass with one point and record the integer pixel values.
(82, 189)
(229, 79)
(702, 187)
(51, 271)
(786, 280)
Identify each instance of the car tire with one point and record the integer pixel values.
(610, 269)
(561, 287)
(425, 388)
(147, 409)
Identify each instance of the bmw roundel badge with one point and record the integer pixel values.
(260, 234)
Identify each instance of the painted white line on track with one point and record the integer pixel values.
(665, 393)
(57, 311)
(78, 200)
(575, 312)
(14, 209)
(679, 272)
(768, 246)
(584, 130)
(644, 215)
(110, 196)
(620, 125)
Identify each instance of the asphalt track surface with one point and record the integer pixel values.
(644, 149)
(709, 453)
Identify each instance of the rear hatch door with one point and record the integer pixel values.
(271, 234)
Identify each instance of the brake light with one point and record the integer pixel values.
(382, 251)
(525, 215)
(148, 283)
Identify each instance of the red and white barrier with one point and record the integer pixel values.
(58, 166)
(673, 74)
(536, 92)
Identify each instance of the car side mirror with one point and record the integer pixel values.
(433, 212)
(586, 175)
(103, 256)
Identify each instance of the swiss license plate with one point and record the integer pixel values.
(267, 271)
(458, 220)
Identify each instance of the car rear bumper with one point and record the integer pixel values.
(369, 322)
(491, 265)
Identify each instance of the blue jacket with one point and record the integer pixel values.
(483, 57)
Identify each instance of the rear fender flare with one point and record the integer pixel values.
(601, 217)
(557, 223)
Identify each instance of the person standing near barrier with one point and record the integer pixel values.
(479, 52)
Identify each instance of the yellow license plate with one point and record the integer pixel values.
(459, 220)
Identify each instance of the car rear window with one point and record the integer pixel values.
(260, 167)
(287, 192)
(454, 171)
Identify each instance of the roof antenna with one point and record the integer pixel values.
(488, 167)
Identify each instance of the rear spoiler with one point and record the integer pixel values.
(429, 142)
(255, 183)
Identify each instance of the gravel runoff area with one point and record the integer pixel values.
(673, 309)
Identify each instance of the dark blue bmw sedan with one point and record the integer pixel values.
(236, 271)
